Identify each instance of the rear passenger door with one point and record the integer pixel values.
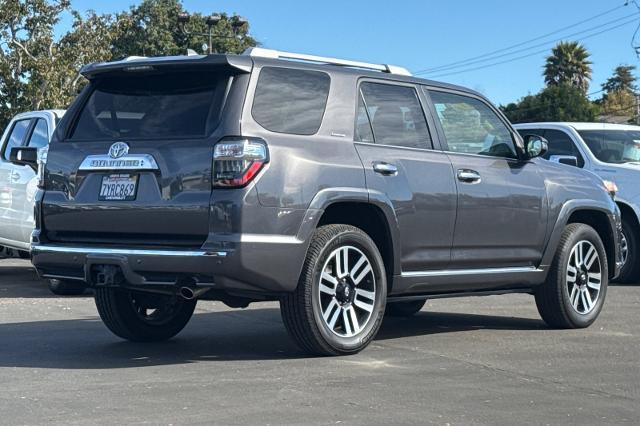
(393, 140)
(502, 214)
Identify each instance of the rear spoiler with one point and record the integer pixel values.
(141, 63)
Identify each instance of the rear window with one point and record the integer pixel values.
(290, 100)
(144, 106)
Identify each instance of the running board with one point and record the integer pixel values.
(409, 298)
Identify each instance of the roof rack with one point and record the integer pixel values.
(276, 54)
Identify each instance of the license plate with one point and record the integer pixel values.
(120, 187)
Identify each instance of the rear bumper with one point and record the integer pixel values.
(267, 267)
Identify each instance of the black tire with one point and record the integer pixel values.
(67, 288)
(553, 298)
(302, 309)
(124, 312)
(630, 272)
(404, 309)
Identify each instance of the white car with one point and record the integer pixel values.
(612, 151)
(18, 186)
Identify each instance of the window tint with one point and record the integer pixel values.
(16, 137)
(177, 104)
(40, 135)
(396, 116)
(290, 101)
(613, 146)
(471, 127)
(561, 144)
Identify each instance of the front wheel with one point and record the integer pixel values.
(339, 303)
(629, 246)
(142, 317)
(576, 286)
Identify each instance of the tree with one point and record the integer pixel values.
(26, 38)
(568, 64)
(622, 79)
(39, 70)
(619, 103)
(562, 102)
(152, 29)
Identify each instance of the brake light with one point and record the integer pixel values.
(236, 161)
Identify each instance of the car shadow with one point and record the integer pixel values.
(19, 279)
(252, 334)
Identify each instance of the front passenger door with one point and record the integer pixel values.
(502, 214)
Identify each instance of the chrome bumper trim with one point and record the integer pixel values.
(134, 252)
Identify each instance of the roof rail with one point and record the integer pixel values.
(276, 54)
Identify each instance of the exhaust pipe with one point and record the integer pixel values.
(188, 293)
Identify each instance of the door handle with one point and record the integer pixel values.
(385, 169)
(468, 176)
(15, 176)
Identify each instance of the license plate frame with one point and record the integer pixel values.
(117, 187)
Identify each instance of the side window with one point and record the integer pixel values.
(40, 135)
(471, 126)
(393, 116)
(16, 137)
(290, 100)
(524, 132)
(561, 144)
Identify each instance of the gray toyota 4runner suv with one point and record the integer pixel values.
(338, 188)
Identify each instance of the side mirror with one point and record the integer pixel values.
(565, 159)
(535, 145)
(24, 156)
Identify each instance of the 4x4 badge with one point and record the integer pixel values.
(118, 149)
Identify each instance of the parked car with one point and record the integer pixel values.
(18, 187)
(611, 151)
(336, 187)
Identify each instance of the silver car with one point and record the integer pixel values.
(612, 151)
(18, 186)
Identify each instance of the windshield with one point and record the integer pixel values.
(613, 146)
(167, 105)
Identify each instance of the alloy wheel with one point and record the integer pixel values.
(347, 291)
(584, 277)
(624, 249)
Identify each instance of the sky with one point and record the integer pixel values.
(423, 34)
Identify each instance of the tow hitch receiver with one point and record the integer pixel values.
(106, 275)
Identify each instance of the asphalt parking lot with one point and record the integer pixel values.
(484, 360)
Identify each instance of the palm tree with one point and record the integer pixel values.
(568, 64)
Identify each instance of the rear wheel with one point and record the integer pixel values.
(576, 286)
(67, 288)
(142, 317)
(339, 303)
(630, 271)
(404, 309)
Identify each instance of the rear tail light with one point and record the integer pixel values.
(236, 161)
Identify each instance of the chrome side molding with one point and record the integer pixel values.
(459, 272)
(126, 162)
